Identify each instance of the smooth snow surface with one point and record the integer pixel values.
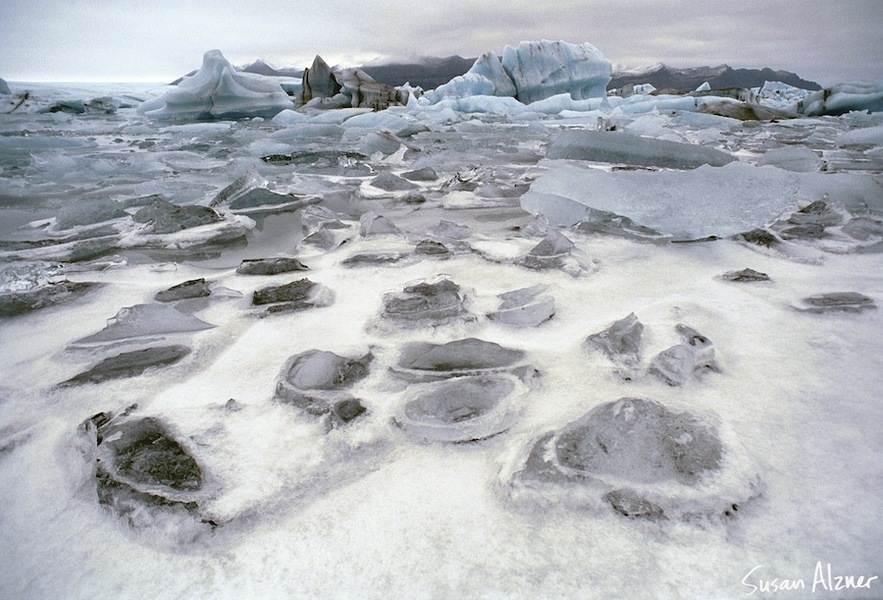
(431, 406)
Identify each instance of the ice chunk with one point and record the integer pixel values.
(371, 224)
(621, 341)
(219, 91)
(677, 364)
(297, 295)
(270, 266)
(461, 409)
(526, 307)
(600, 146)
(146, 320)
(836, 302)
(687, 204)
(163, 216)
(745, 275)
(318, 382)
(424, 174)
(195, 288)
(142, 471)
(89, 212)
(130, 364)
(791, 158)
(15, 302)
(392, 183)
(550, 253)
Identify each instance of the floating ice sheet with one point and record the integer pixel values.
(706, 201)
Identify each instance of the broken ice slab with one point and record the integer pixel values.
(836, 302)
(525, 307)
(624, 148)
(460, 409)
(621, 341)
(426, 304)
(88, 212)
(130, 364)
(638, 458)
(677, 364)
(270, 266)
(163, 216)
(424, 174)
(143, 320)
(706, 201)
(608, 223)
(24, 288)
(371, 224)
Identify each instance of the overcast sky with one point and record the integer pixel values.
(157, 40)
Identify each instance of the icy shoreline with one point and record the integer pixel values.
(291, 495)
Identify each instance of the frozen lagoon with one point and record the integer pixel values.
(301, 508)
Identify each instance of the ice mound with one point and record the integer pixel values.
(610, 147)
(325, 87)
(219, 91)
(424, 361)
(426, 304)
(833, 302)
(639, 458)
(533, 71)
(461, 409)
(692, 204)
(319, 381)
(142, 472)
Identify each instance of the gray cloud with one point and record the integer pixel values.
(161, 39)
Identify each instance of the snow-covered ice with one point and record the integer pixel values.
(417, 353)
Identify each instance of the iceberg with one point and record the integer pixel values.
(219, 91)
(843, 98)
(533, 71)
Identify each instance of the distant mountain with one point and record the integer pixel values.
(259, 67)
(428, 74)
(724, 76)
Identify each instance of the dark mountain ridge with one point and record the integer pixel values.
(721, 77)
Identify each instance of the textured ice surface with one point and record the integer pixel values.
(687, 204)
